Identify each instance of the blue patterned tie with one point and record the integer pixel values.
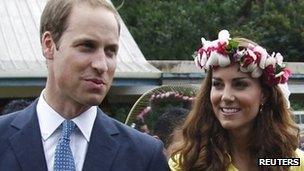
(64, 160)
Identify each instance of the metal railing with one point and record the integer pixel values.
(299, 118)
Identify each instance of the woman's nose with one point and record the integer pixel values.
(228, 94)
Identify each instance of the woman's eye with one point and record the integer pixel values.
(217, 84)
(241, 85)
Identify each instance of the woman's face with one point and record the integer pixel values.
(235, 97)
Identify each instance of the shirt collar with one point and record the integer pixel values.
(85, 121)
(50, 120)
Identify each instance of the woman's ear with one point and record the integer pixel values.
(48, 45)
(264, 97)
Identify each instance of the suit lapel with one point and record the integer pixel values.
(102, 146)
(27, 143)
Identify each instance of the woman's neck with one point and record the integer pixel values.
(239, 139)
(241, 158)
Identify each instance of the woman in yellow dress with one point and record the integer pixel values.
(240, 114)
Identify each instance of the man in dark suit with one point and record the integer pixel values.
(64, 129)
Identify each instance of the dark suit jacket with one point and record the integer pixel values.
(113, 146)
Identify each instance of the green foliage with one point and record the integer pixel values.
(162, 106)
(167, 29)
(232, 46)
(297, 105)
(120, 111)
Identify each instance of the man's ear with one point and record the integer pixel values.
(157, 137)
(48, 45)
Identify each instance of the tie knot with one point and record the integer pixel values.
(68, 128)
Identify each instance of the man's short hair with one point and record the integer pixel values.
(168, 122)
(55, 16)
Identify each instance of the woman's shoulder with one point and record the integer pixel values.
(300, 155)
(173, 163)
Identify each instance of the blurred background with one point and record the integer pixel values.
(157, 42)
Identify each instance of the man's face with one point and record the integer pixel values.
(83, 66)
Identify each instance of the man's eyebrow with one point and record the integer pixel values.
(114, 45)
(81, 40)
(90, 40)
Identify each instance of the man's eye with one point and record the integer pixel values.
(111, 52)
(87, 46)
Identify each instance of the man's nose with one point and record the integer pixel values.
(99, 62)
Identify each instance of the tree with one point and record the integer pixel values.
(167, 29)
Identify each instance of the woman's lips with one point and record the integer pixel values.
(229, 110)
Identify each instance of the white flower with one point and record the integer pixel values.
(251, 67)
(250, 46)
(196, 61)
(240, 54)
(211, 44)
(203, 59)
(264, 55)
(223, 60)
(224, 36)
(279, 74)
(270, 60)
(257, 72)
(279, 59)
(243, 69)
(206, 43)
(212, 60)
(252, 54)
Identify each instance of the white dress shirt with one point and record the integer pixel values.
(50, 127)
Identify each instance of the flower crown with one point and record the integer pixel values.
(253, 59)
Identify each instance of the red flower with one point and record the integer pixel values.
(268, 75)
(270, 78)
(221, 48)
(284, 78)
(259, 56)
(247, 60)
(201, 51)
